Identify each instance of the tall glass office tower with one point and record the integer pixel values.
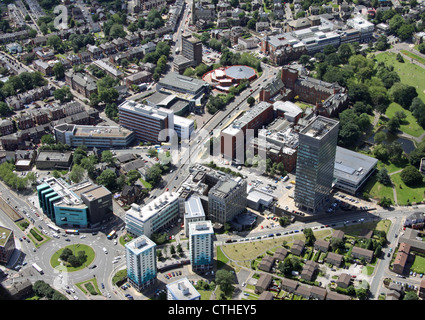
(315, 163)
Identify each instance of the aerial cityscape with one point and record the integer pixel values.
(220, 150)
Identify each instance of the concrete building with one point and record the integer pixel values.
(352, 169)
(315, 163)
(184, 127)
(51, 160)
(7, 244)
(93, 136)
(227, 199)
(152, 217)
(201, 247)
(193, 212)
(365, 27)
(141, 262)
(148, 123)
(192, 49)
(182, 289)
(234, 137)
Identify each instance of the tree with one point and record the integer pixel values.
(63, 95)
(410, 295)
(383, 177)
(405, 32)
(328, 49)
(48, 139)
(107, 157)
(380, 137)
(403, 94)
(108, 179)
(4, 109)
(108, 95)
(385, 202)
(396, 22)
(381, 152)
(345, 51)
(349, 134)
(393, 125)
(54, 42)
(58, 70)
(309, 236)
(224, 279)
(77, 173)
(382, 43)
(117, 31)
(411, 176)
(132, 176)
(304, 59)
(251, 101)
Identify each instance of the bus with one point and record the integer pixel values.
(36, 267)
(111, 235)
(54, 228)
(71, 231)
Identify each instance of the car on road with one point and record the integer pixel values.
(92, 267)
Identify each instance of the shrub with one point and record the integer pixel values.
(36, 235)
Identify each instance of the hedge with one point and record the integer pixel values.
(36, 235)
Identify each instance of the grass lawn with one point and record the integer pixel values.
(409, 73)
(377, 190)
(359, 228)
(409, 125)
(146, 184)
(418, 265)
(250, 250)
(368, 270)
(413, 56)
(391, 167)
(221, 258)
(55, 261)
(89, 287)
(302, 105)
(407, 194)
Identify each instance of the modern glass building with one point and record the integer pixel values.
(141, 262)
(79, 205)
(315, 163)
(201, 248)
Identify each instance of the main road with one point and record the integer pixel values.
(193, 151)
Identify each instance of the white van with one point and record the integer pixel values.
(104, 250)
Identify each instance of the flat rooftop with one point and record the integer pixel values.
(319, 127)
(193, 207)
(140, 244)
(54, 156)
(201, 227)
(352, 166)
(101, 131)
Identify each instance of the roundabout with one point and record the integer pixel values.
(83, 255)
